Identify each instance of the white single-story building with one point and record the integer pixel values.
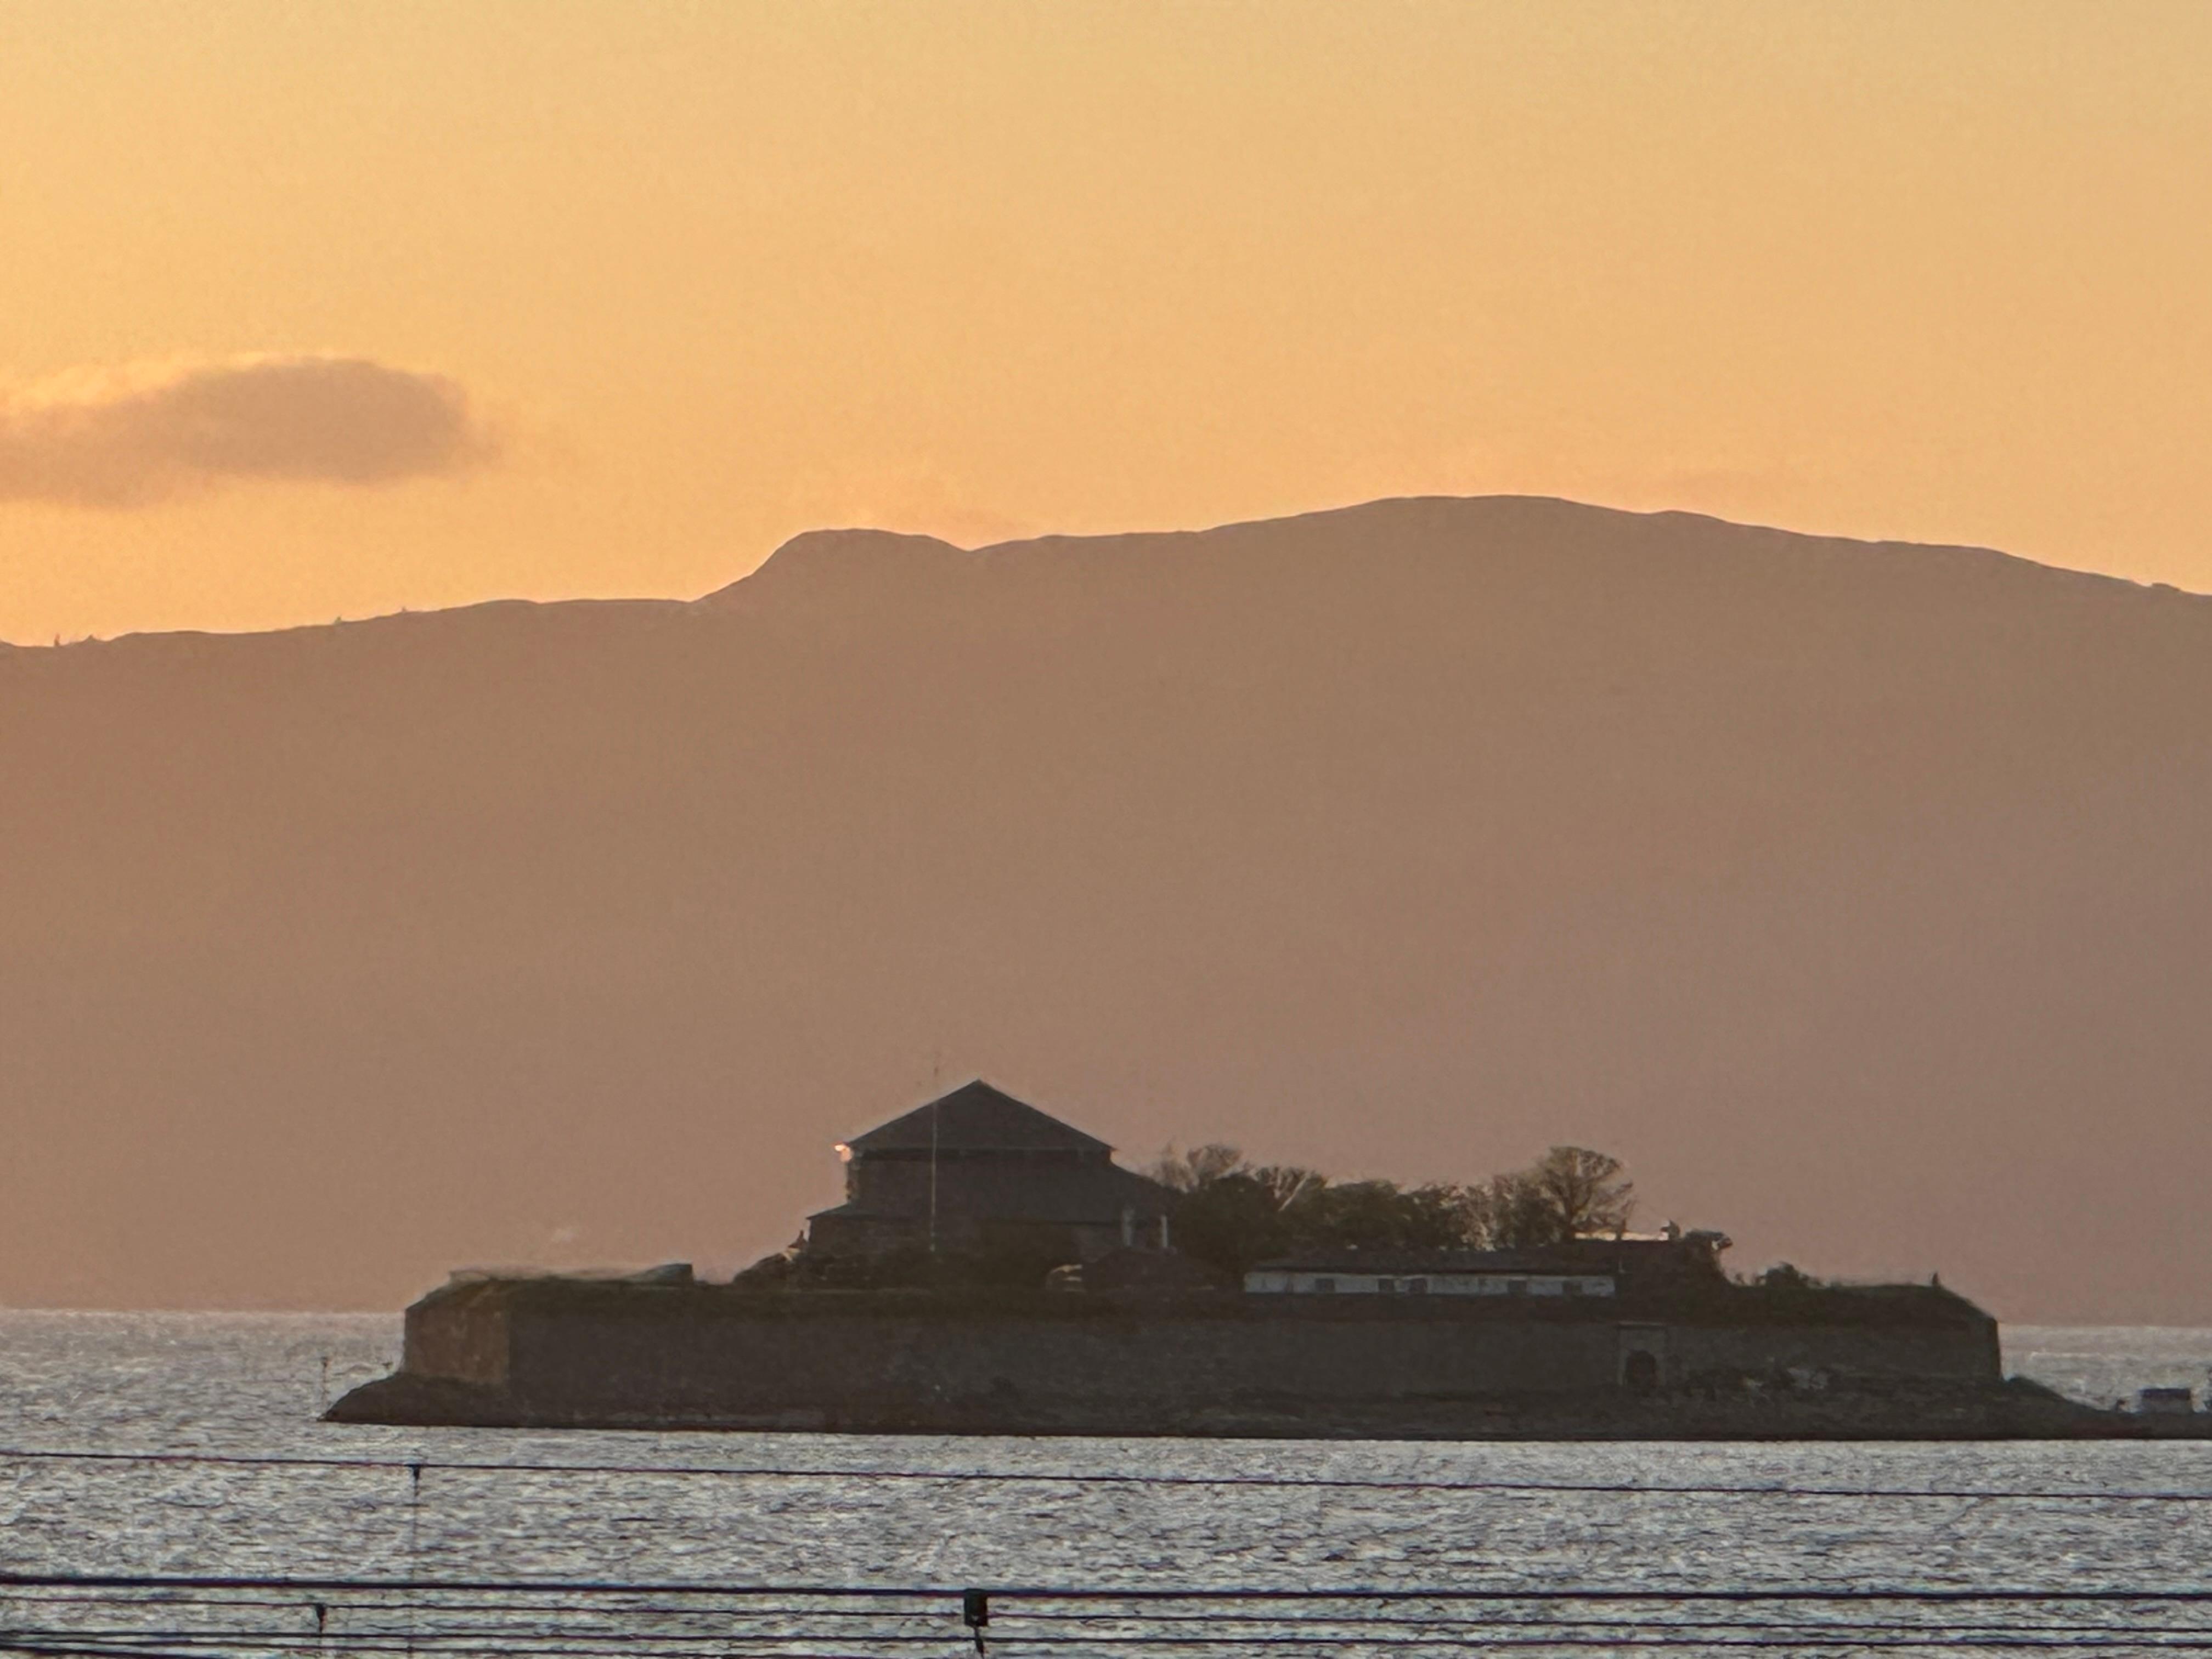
(1438, 1273)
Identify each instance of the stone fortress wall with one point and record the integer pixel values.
(565, 1351)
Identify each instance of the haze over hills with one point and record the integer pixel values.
(1856, 894)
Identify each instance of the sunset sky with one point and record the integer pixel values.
(310, 311)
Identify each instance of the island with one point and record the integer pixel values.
(993, 1270)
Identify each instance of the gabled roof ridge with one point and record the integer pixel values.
(977, 1116)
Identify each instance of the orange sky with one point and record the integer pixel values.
(311, 311)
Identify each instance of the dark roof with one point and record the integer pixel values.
(1089, 1195)
(1394, 1262)
(976, 1117)
(1093, 1195)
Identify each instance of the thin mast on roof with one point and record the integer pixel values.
(936, 1111)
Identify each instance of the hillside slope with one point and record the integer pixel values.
(1854, 893)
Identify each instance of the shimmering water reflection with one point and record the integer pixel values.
(1088, 1516)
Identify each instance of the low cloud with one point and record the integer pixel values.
(141, 434)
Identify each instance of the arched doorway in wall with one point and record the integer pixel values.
(1642, 1358)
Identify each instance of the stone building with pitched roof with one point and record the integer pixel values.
(979, 1172)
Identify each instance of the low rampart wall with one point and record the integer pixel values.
(873, 1363)
(462, 1331)
(704, 1353)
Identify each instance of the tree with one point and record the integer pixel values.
(1365, 1215)
(1434, 1218)
(1584, 1191)
(1233, 1213)
(1569, 1193)
(1507, 1212)
(1230, 1223)
(1201, 1166)
(1288, 1186)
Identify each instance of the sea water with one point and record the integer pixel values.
(932, 1513)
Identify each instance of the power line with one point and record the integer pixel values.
(1625, 1489)
(1321, 1628)
(1928, 1595)
(198, 1616)
(1012, 1632)
(1799, 1640)
(936, 1605)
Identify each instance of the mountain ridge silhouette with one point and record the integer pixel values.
(1851, 890)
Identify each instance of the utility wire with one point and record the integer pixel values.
(1931, 1594)
(1004, 1476)
(778, 1645)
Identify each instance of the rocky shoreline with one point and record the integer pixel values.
(2016, 1410)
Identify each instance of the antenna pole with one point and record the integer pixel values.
(936, 1109)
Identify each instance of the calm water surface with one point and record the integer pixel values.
(858, 1511)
